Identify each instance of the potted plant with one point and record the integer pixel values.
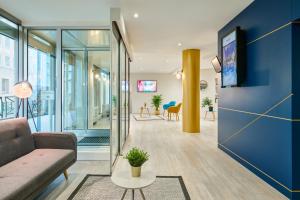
(136, 158)
(207, 102)
(156, 102)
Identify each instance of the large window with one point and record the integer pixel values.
(41, 74)
(8, 67)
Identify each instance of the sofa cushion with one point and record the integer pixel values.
(15, 139)
(21, 177)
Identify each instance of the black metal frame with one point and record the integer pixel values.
(30, 109)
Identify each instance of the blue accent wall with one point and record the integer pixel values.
(296, 108)
(267, 145)
(296, 9)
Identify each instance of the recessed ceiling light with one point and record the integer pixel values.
(136, 15)
(179, 44)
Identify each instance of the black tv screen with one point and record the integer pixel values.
(233, 58)
(216, 64)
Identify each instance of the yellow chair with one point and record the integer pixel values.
(174, 110)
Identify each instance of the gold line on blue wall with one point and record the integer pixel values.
(271, 32)
(256, 119)
(258, 114)
(273, 179)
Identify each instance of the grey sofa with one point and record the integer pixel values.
(29, 162)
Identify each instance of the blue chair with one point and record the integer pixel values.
(166, 106)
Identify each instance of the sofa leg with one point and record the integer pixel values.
(66, 174)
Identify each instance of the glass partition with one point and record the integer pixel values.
(41, 75)
(8, 67)
(98, 87)
(122, 96)
(115, 98)
(86, 86)
(127, 114)
(74, 90)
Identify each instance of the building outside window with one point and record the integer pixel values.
(5, 86)
(7, 61)
(41, 75)
(8, 68)
(7, 43)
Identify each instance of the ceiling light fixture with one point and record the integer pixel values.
(179, 44)
(136, 15)
(178, 74)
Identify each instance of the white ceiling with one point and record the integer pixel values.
(154, 36)
(61, 12)
(162, 24)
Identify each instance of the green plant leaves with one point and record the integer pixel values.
(136, 157)
(156, 101)
(206, 102)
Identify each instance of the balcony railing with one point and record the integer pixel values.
(7, 106)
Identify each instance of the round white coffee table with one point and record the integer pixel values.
(125, 180)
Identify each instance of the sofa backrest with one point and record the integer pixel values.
(15, 139)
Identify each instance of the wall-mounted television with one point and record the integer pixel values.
(233, 58)
(146, 86)
(216, 64)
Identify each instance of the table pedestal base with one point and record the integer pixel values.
(141, 191)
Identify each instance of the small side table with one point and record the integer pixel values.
(143, 109)
(124, 180)
(213, 114)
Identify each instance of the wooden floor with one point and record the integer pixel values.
(208, 172)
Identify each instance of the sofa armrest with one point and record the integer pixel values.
(48, 140)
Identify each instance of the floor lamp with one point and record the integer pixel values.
(23, 90)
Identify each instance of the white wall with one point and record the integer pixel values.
(209, 76)
(169, 87)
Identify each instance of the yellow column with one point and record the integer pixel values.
(191, 91)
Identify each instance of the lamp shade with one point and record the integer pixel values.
(22, 90)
